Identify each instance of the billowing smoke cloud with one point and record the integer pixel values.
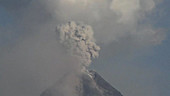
(36, 61)
(78, 39)
(111, 20)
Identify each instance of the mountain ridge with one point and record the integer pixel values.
(91, 84)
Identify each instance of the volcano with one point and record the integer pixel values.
(91, 84)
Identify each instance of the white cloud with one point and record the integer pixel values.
(126, 9)
(130, 10)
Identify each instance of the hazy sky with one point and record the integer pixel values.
(147, 71)
(133, 71)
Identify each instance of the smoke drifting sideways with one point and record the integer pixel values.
(79, 41)
(35, 63)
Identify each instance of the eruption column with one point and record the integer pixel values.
(79, 41)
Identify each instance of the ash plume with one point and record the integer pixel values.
(31, 58)
(79, 41)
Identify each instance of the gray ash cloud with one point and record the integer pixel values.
(79, 41)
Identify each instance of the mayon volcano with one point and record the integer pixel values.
(78, 40)
(90, 84)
